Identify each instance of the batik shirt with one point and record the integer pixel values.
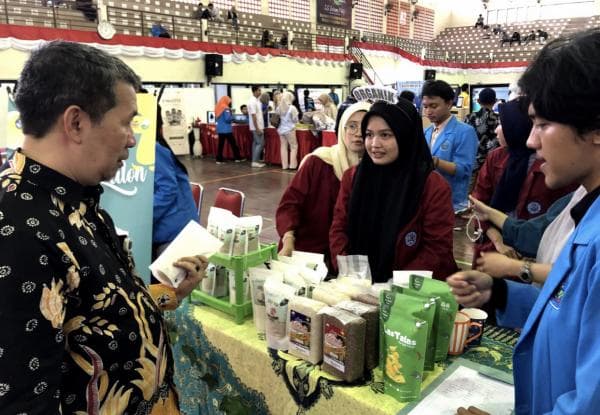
(80, 332)
(485, 122)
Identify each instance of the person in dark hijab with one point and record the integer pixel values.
(393, 207)
(515, 126)
(510, 179)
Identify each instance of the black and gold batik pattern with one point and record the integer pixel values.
(80, 332)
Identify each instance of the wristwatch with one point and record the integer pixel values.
(525, 274)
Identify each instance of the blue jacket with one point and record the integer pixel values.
(157, 30)
(224, 122)
(557, 359)
(458, 144)
(174, 204)
(525, 235)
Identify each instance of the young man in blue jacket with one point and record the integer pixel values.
(557, 357)
(453, 144)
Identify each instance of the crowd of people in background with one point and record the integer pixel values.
(538, 36)
(389, 189)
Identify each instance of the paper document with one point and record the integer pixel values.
(192, 240)
(467, 387)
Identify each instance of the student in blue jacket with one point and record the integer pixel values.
(225, 129)
(173, 203)
(557, 358)
(453, 144)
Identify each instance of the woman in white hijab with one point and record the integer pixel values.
(327, 106)
(288, 117)
(305, 211)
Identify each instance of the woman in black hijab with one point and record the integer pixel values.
(393, 207)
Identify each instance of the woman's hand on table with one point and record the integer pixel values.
(471, 288)
(471, 410)
(195, 268)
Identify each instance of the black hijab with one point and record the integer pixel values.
(516, 127)
(385, 198)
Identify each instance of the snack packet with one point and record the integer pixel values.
(447, 306)
(403, 343)
(277, 297)
(354, 266)
(258, 276)
(305, 329)
(431, 330)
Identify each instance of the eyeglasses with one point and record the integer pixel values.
(353, 128)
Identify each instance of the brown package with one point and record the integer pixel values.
(343, 343)
(371, 315)
(367, 299)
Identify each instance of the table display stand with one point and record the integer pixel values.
(240, 308)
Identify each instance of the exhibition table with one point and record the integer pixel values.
(224, 367)
(329, 138)
(243, 139)
(307, 142)
(210, 141)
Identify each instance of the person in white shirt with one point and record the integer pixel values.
(288, 116)
(256, 126)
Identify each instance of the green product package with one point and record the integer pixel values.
(403, 342)
(447, 306)
(432, 328)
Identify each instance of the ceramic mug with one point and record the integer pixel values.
(460, 333)
(477, 316)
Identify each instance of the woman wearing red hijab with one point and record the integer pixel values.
(225, 129)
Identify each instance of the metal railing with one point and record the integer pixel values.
(368, 70)
(60, 14)
(67, 14)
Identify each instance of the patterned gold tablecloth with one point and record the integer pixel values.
(224, 368)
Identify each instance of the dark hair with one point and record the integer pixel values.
(306, 92)
(61, 74)
(243, 106)
(464, 87)
(255, 88)
(563, 82)
(407, 95)
(437, 88)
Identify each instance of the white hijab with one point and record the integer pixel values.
(338, 155)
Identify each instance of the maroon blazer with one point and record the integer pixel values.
(534, 197)
(307, 206)
(425, 243)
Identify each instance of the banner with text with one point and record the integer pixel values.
(128, 196)
(335, 12)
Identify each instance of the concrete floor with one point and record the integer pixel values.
(263, 188)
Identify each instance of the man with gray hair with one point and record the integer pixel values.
(83, 332)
